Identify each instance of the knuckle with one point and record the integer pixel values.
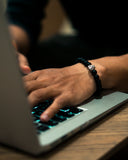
(37, 95)
(28, 87)
(53, 110)
(36, 72)
(69, 93)
(60, 102)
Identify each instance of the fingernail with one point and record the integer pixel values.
(44, 117)
(26, 69)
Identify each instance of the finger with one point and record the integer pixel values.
(42, 94)
(34, 85)
(31, 76)
(25, 69)
(58, 103)
(24, 65)
(14, 44)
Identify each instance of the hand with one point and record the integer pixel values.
(23, 62)
(24, 65)
(66, 86)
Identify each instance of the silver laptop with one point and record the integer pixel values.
(19, 124)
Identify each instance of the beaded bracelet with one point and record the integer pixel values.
(91, 68)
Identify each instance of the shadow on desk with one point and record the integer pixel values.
(121, 155)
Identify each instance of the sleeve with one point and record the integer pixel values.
(28, 15)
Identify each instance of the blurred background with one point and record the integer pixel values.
(55, 17)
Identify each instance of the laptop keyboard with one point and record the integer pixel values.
(63, 115)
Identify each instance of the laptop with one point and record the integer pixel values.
(20, 126)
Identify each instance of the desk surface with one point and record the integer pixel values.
(97, 142)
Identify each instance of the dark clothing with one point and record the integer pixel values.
(61, 51)
(97, 22)
(101, 26)
(27, 14)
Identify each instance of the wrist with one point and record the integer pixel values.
(92, 69)
(86, 72)
(102, 72)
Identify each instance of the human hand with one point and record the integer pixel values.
(24, 65)
(23, 62)
(66, 86)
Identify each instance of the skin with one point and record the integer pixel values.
(20, 41)
(70, 85)
(67, 86)
(74, 84)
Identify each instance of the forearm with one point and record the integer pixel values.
(113, 72)
(20, 38)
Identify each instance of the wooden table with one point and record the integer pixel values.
(99, 141)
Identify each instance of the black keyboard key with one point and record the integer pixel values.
(38, 125)
(36, 121)
(75, 110)
(65, 109)
(37, 116)
(45, 104)
(38, 113)
(59, 118)
(35, 108)
(50, 123)
(66, 114)
(43, 128)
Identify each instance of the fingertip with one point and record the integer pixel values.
(50, 112)
(44, 118)
(26, 69)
